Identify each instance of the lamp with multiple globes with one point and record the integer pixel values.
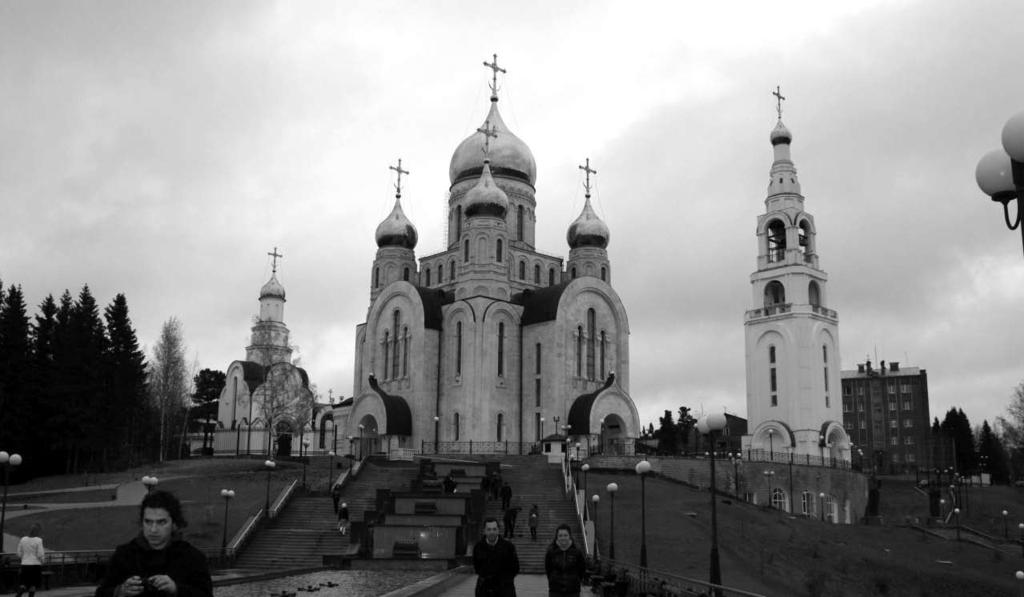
(305, 460)
(1000, 172)
(227, 494)
(596, 499)
(611, 489)
(642, 468)
(710, 425)
(150, 482)
(7, 461)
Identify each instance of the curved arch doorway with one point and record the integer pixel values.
(283, 439)
(613, 435)
(368, 440)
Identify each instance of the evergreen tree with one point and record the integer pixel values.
(668, 439)
(17, 418)
(959, 439)
(684, 426)
(208, 384)
(126, 406)
(42, 374)
(992, 454)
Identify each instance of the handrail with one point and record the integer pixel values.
(243, 533)
(282, 499)
(570, 486)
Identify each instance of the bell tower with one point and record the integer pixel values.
(794, 402)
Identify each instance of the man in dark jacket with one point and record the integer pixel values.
(564, 564)
(495, 562)
(157, 561)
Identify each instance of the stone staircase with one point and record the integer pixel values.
(534, 481)
(306, 530)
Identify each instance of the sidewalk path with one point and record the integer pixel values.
(526, 584)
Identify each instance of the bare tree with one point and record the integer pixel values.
(168, 377)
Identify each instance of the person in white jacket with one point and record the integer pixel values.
(30, 551)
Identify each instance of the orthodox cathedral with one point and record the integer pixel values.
(794, 401)
(491, 341)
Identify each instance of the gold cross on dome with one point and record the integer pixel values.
(496, 69)
(398, 169)
(275, 255)
(488, 132)
(589, 171)
(778, 100)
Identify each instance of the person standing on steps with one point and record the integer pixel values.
(534, 520)
(506, 495)
(343, 518)
(564, 565)
(495, 562)
(336, 496)
(31, 553)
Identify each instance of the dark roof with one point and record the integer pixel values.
(346, 402)
(254, 374)
(433, 299)
(305, 377)
(579, 414)
(397, 411)
(540, 305)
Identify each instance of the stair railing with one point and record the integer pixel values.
(282, 499)
(570, 488)
(243, 535)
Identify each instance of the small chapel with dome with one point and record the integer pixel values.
(490, 342)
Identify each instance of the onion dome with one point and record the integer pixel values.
(396, 230)
(588, 230)
(508, 154)
(781, 134)
(486, 198)
(272, 288)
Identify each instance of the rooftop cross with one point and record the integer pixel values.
(398, 169)
(589, 171)
(497, 69)
(275, 255)
(778, 100)
(488, 132)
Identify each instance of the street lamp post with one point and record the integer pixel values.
(1020, 527)
(956, 513)
(709, 425)
(269, 465)
(768, 474)
(642, 468)
(736, 458)
(305, 460)
(612, 488)
(351, 449)
(1019, 575)
(585, 468)
(361, 444)
(771, 445)
(942, 507)
(150, 483)
(227, 494)
(437, 432)
(821, 505)
(1006, 531)
(542, 427)
(330, 469)
(7, 461)
(1000, 173)
(596, 499)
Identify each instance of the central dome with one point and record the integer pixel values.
(272, 288)
(508, 154)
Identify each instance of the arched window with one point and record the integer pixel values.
(551, 276)
(773, 382)
(603, 340)
(376, 277)
(427, 273)
(396, 319)
(405, 352)
(501, 349)
(573, 275)
(579, 351)
(537, 426)
(440, 273)
(807, 503)
(458, 222)
(536, 274)
(405, 274)
(779, 499)
(537, 362)
(824, 360)
(814, 294)
(774, 294)
(591, 340)
(604, 274)
(455, 423)
(776, 241)
(387, 354)
(498, 251)
(458, 348)
(806, 239)
(501, 425)
(451, 270)
(519, 223)
(465, 251)
(522, 270)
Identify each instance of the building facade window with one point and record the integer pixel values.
(536, 274)
(498, 250)
(604, 274)
(501, 425)
(579, 351)
(455, 423)
(440, 273)
(551, 276)
(376, 277)
(536, 390)
(536, 426)
(520, 224)
(773, 380)
(807, 503)
(427, 274)
(779, 499)
(908, 405)
(458, 222)
(405, 352)
(591, 340)
(501, 349)
(405, 274)
(603, 344)
(573, 276)
(522, 270)
(458, 349)
(396, 318)
(451, 270)
(387, 353)
(465, 251)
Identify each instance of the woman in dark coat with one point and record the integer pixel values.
(564, 564)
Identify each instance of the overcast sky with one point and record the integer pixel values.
(162, 149)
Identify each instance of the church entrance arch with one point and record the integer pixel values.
(283, 439)
(613, 435)
(369, 437)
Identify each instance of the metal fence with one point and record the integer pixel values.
(477, 447)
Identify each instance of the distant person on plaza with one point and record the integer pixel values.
(336, 496)
(30, 552)
(449, 483)
(534, 520)
(506, 495)
(157, 561)
(495, 562)
(485, 486)
(564, 564)
(495, 484)
(343, 519)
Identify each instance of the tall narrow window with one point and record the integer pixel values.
(573, 276)
(603, 340)
(387, 353)
(498, 251)
(376, 277)
(591, 340)
(458, 222)
(536, 426)
(551, 277)
(428, 276)
(451, 270)
(455, 422)
(519, 223)
(604, 274)
(396, 317)
(579, 351)
(536, 389)
(501, 424)
(465, 251)
(537, 359)
(440, 273)
(824, 358)
(501, 349)
(458, 349)
(536, 274)
(405, 352)
(773, 382)
(405, 274)
(522, 270)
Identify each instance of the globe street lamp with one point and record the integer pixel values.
(821, 498)
(768, 474)
(942, 507)
(437, 432)
(956, 513)
(1020, 577)
(1000, 173)
(542, 427)
(642, 468)
(585, 468)
(227, 494)
(7, 461)
(305, 460)
(612, 488)
(150, 483)
(269, 465)
(1020, 527)
(771, 445)
(1006, 531)
(709, 425)
(596, 499)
